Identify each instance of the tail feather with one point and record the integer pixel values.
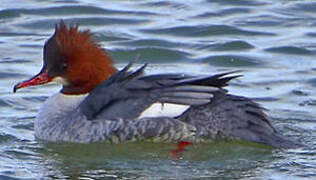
(235, 117)
(261, 136)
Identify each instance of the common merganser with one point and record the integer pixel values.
(97, 102)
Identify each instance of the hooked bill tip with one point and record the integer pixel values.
(16, 87)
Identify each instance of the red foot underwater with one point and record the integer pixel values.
(180, 148)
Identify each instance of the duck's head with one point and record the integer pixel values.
(73, 59)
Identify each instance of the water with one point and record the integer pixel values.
(272, 42)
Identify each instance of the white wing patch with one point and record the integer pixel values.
(165, 109)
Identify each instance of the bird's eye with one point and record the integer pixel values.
(64, 66)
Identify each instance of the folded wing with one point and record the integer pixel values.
(127, 94)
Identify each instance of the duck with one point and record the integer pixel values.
(99, 103)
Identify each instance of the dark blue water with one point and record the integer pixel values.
(272, 42)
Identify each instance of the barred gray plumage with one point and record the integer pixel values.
(110, 113)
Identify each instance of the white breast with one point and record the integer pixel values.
(57, 106)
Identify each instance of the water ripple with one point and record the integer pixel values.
(232, 46)
(151, 43)
(204, 31)
(150, 54)
(239, 2)
(233, 61)
(68, 10)
(96, 21)
(289, 50)
(167, 4)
